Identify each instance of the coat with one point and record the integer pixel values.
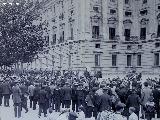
(35, 93)
(57, 95)
(134, 101)
(42, 96)
(156, 95)
(104, 103)
(31, 90)
(67, 92)
(146, 93)
(6, 89)
(16, 94)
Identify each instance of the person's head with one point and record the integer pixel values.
(50, 110)
(131, 110)
(120, 107)
(80, 108)
(146, 84)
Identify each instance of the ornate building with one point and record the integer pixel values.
(112, 36)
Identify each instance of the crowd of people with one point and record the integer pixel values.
(81, 96)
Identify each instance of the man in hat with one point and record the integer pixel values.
(74, 97)
(42, 99)
(72, 116)
(35, 95)
(6, 92)
(146, 93)
(104, 100)
(80, 95)
(17, 99)
(24, 91)
(30, 91)
(134, 101)
(67, 95)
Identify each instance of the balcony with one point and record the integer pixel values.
(97, 38)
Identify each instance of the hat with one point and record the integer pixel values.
(75, 83)
(120, 106)
(73, 114)
(105, 88)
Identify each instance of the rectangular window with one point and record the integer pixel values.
(114, 46)
(143, 12)
(139, 60)
(114, 60)
(139, 46)
(126, 1)
(72, 35)
(156, 59)
(128, 13)
(97, 60)
(112, 32)
(97, 46)
(127, 33)
(157, 45)
(96, 9)
(112, 11)
(129, 60)
(158, 31)
(144, 1)
(54, 39)
(143, 34)
(158, 7)
(112, 0)
(69, 61)
(95, 32)
(63, 36)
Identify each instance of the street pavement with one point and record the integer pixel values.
(7, 113)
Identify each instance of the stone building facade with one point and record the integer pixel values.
(112, 36)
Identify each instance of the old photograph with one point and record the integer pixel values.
(79, 59)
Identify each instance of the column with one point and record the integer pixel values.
(120, 18)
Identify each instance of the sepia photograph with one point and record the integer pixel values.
(79, 59)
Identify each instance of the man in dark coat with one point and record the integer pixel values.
(74, 97)
(134, 101)
(104, 101)
(57, 98)
(80, 95)
(6, 92)
(35, 95)
(24, 91)
(17, 100)
(156, 95)
(67, 95)
(42, 99)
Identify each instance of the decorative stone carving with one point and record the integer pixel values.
(112, 20)
(144, 21)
